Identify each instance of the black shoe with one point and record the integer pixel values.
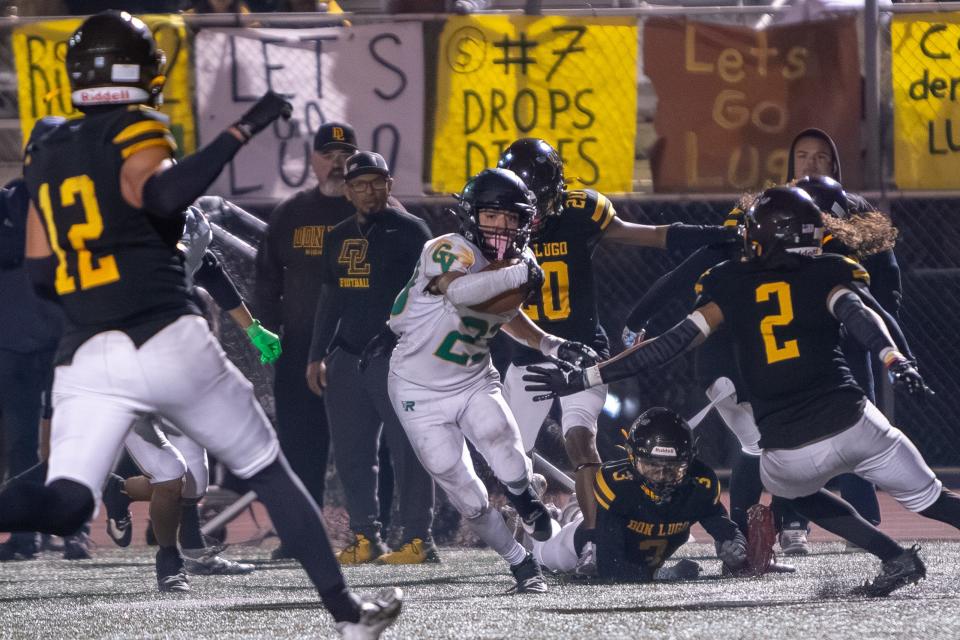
(20, 546)
(77, 547)
(528, 576)
(280, 553)
(48, 543)
(534, 517)
(171, 576)
(906, 568)
(117, 503)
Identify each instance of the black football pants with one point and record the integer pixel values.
(301, 421)
(357, 407)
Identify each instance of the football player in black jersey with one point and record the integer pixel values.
(567, 229)
(111, 199)
(786, 304)
(647, 503)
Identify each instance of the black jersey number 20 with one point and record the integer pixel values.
(555, 293)
(775, 351)
(90, 275)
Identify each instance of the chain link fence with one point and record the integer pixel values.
(928, 254)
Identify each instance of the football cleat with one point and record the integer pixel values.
(20, 546)
(793, 541)
(207, 562)
(587, 562)
(362, 550)
(415, 551)
(174, 583)
(77, 547)
(685, 569)
(117, 503)
(906, 568)
(376, 614)
(529, 577)
(280, 553)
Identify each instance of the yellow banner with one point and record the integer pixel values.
(926, 111)
(44, 89)
(570, 81)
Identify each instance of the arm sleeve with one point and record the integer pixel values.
(652, 353)
(610, 536)
(893, 326)
(672, 285)
(474, 288)
(714, 517)
(218, 284)
(268, 284)
(885, 283)
(862, 323)
(167, 193)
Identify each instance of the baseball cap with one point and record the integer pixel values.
(366, 162)
(335, 135)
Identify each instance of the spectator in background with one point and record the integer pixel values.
(288, 267)
(814, 153)
(29, 330)
(369, 258)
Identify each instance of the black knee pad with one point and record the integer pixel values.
(71, 506)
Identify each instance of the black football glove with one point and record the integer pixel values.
(267, 109)
(379, 346)
(564, 380)
(579, 355)
(905, 376)
(534, 282)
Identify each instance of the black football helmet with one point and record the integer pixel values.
(541, 169)
(828, 194)
(501, 190)
(112, 58)
(660, 447)
(783, 219)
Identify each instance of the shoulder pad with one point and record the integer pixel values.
(847, 269)
(139, 128)
(591, 205)
(605, 482)
(448, 252)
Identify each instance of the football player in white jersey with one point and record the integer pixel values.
(442, 382)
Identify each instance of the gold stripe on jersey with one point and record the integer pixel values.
(827, 238)
(609, 215)
(140, 128)
(604, 487)
(603, 503)
(601, 213)
(165, 141)
(859, 273)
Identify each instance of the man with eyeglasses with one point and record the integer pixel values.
(286, 293)
(368, 259)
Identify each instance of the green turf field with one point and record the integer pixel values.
(114, 596)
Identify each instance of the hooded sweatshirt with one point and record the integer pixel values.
(856, 203)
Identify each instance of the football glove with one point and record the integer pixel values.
(904, 375)
(630, 338)
(562, 380)
(267, 109)
(577, 354)
(379, 346)
(266, 342)
(733, 552)
(534, 273)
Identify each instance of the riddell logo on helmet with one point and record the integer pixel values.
(109, 95)
(664, 451)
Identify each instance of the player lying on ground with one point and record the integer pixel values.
(786, 304)
(647, 504)
(442, 383)
(113, 199)
(568, 227)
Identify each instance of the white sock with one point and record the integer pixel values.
(491, 528)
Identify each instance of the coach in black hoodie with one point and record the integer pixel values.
(814, 153)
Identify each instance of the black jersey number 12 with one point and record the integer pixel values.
(79, 234)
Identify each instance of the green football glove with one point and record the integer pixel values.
(266, 342)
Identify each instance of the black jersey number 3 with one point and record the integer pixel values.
(789, 349)
(79, 234)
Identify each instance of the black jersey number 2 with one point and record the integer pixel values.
(789, 349)
(79, 234)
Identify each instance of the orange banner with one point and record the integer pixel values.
(731, 99)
